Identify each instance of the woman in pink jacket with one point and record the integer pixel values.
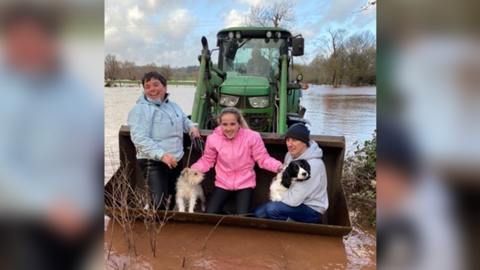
(235, 149)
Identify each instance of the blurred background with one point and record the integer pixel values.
(51, 141)
(429, 153)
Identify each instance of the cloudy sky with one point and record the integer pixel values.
(169, 32)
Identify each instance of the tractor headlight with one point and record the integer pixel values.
(229, 101)
(259, 102)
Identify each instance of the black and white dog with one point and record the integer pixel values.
(298, 170)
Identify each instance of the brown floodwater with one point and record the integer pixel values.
(179, 245)
(349, 112)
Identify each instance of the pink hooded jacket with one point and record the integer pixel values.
(235, 158)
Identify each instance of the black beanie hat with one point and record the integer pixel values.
(300, 132)
(396, 148)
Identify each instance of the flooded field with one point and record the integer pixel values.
(202, 246)
(350, 112)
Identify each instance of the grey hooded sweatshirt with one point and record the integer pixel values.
(312, 192)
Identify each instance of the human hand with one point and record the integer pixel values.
(281, 168)
(169, 160)
(195, 132)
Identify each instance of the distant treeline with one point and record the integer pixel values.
(117, 70)
(341, 59)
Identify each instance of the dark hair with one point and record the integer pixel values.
(46, 19)
(153, 75)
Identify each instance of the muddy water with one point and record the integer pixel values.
(180, 245)
(349, 112)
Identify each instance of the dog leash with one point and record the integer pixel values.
(196, 143)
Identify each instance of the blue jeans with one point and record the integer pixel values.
(282, 211)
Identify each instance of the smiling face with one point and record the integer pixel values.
(230, 125)
(154, 89)
(29, 47)
(296, 147)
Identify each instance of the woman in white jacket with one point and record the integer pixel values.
(157, 126)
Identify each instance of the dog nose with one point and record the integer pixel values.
(304, 174)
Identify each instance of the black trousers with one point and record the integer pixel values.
(161, 181)
(221, 196)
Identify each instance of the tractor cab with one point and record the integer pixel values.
(251, 59)
(252, 56)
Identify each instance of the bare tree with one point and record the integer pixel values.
(129, 70)
(112, 67)
(166, 72)
(344, 59)
(360, 57)
(148, 68)
(369, 5)
(334, 48)
(277, 14)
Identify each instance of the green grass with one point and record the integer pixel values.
(180, 83)
(125, 82)
(169, 82)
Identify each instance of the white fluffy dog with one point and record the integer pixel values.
(189, 189)
(298, 170)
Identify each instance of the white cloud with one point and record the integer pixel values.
(250, 2)
(307, 34)
(144, 33)
(169, 32)
(234, 18)
(340, 11)
(135, 15)
(151, 4)
(361, 19)
(175, 23)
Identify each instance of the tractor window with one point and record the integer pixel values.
(255, 57)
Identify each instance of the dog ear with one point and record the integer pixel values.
(286, 177)
(306, 167)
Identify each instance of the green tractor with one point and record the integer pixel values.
(252, 75)
(270, 103)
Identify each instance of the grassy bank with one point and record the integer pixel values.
(360, 180)
(120, 83)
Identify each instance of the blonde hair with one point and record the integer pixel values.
(237, 113)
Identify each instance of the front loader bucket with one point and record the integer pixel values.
(336, 221)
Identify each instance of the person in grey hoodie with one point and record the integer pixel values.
(306, 201)
(157, 126)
